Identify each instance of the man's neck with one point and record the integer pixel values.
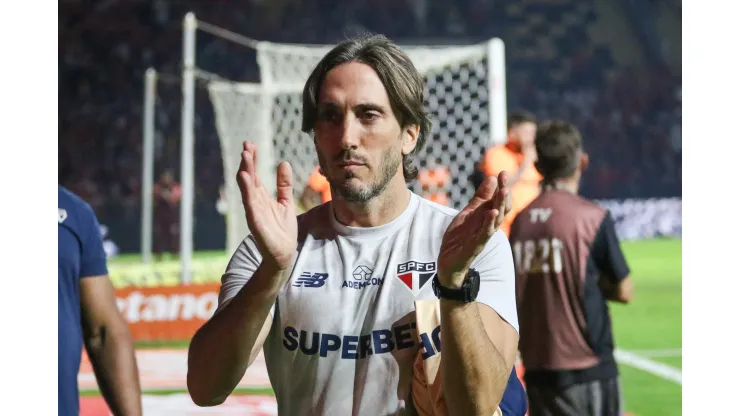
(568, 184)
(379, 211)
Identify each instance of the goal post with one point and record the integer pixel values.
(465, 97)
(147, 165)
(158, 92)
(187, 148)
(248, 103)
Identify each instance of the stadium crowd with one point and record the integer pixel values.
(632, 132)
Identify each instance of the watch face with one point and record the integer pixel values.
(474, 281)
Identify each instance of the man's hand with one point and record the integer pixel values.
(272, 222)
(472, 227)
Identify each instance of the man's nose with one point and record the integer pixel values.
(350, 134)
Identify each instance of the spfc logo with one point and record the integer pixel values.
(416, 274)
(62, 215)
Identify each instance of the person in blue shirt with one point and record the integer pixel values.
(88, 312)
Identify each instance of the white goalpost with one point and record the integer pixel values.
(466, 99)
(147, 165)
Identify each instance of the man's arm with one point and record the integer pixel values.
(109, 346)
(614, 278)
(479, 344)
(105, 333)
(225, 346)
(621, 292)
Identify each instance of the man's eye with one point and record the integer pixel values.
(328, 115)
(369, 116)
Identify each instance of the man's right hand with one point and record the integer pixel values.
(272, 222)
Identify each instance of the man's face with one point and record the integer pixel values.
(524, 134)
(358, 139)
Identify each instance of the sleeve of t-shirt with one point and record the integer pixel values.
(607, 253)
(93, 261)
(497, 285)
(241, 268)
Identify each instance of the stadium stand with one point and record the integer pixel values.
(630, 114)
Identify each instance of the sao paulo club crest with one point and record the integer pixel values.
(415, 275)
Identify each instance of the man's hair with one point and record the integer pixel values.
(403, 84)
(517, 117)
(559, 146)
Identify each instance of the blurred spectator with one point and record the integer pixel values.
(317, 190)
(631, 132)
(517, 158)
(167, 194)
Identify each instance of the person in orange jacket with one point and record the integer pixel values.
(517, 158)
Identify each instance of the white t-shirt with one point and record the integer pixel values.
(343, 338)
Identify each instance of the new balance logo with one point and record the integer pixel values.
(308, 279)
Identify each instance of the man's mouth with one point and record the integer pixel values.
(346, 163)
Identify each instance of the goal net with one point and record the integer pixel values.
(465, 98)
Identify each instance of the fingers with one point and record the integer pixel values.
(246, 186)
(249, 163)
(484, 193)
(249, 183)
(247, 177)
(486, 190)
(253, 151)
(285, 184)
(502, 199)
(504, 185)
(491, 222)
(501, 203)
(498, 215)
(503, 179)
(495, 208)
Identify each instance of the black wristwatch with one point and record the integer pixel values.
(467, 293)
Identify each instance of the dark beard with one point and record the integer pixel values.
(390, 162)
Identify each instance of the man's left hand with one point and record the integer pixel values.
(472, 228)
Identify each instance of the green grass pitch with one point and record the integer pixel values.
(650, 326)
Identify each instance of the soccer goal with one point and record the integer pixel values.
(465, 97)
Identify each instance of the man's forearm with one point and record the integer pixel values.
(219, 352)
(114, 363)
(474, 372)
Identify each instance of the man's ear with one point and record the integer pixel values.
(584, 161)
(410, 137)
